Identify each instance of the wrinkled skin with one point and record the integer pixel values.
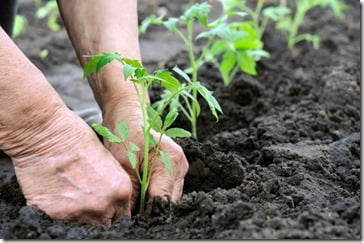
(62, 167)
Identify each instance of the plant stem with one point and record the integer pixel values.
(194, 76)
(144, 182)
(298, 18)
(258, 9)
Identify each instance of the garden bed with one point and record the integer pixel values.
(283, 161)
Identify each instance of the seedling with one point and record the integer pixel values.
(236, 44)
(290, 24)
(153, 117)
(259, 16)
(19, 25)
(49, 11)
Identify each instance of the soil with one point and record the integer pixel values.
(282, 163)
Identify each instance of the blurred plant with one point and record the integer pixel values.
(49, 11)
(290, 23)
(237, 44)
(43, 53)
(152, 116)
(19, 25)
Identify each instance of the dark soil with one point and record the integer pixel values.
(283, 162)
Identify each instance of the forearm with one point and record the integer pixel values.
(96, 26)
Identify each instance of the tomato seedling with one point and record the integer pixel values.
(238, 45)
(153, 117)
(290, 24)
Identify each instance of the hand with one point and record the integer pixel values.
(69, 174)
(162, 184)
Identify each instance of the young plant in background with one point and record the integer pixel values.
(49, 11)
(238, 46)
(153, 117)
(258, 15)
(290, 23)
(19, 25)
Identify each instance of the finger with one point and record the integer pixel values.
(161, 183)
(122, 211)
(177, 190)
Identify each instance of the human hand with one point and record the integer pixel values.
(68, 174)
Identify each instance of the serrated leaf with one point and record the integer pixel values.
(91, 66)
(123, 130)
(183, 74)
(246, 62)
(211, 101)
(170, 25)
(106, 133)
(107, 58)
(199, 11)
(133, 147)
(154, 119)
(231, 4)
(167, 80)
(132, 159)
(178, 133)
(166, 161)
(170, 118)
(133, 62)
(128, 70)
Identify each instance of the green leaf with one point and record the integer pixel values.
(106, 133)
(152, 141)
(154, 119)
(197, 11)
(227, 64)
(19, 25)
(133, 147)
(211, 101)
(132, 159)
(107, 58)
(170, 25)
(170, 118)
(132, 62)
(123, 130)
(218, 47)
(183, 74)
(203, 14)
(246, 62)
(128, 70)
(178, 133)
(166, 162)
(91, 66)
(167, 80)
(276, 13)
(228, 5)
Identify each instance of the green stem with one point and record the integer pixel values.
(298, 18)
(194, 77)
(144, 184)
(258, 9)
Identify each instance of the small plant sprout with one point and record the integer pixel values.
(237, 44)
(290, 24)
(155, 119)
(259, 16)
(49, 10)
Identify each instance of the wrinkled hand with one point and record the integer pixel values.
(162, 184)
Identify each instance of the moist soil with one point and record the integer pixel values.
(283, 162)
